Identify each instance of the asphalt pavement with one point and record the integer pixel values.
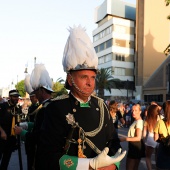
(14, 162)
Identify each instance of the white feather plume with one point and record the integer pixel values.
(40, 78)
(79, 51)
(27, 84)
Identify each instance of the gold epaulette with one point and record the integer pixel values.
(61, 97)
(36, 110)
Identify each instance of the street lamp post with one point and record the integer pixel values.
(127, 88)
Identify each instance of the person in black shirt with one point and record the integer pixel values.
(33, 107)
(30, 134)
(115, 114)
(8, 141)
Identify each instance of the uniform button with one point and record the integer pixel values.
(76, 102)
(97, 109)
(74, 110)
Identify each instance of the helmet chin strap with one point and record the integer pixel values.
(74, 84)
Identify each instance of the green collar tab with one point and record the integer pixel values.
(84, 104)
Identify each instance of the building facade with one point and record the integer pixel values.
(114, 42)
(152, 37)
(130, 40)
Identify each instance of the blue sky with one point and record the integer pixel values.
(38, 28)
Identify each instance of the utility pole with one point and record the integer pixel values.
(127, 88)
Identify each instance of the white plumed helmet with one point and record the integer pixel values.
(28, 87)
(40, 78)
(79, 52)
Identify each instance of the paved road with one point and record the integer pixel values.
(14, 162)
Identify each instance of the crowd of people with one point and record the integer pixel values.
(147, 126)
(79, 131)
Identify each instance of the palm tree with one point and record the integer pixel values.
(167, 4)
(104, 80)
(60, 80)
(58, 88)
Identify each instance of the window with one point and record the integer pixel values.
(103, 33)
(120, 57)
(109, 43)
(101, 60)
(121, 43)
(120, 29)
(96, 49)
(123, 58)
(108, 57)
(101, 47)
(119, 71)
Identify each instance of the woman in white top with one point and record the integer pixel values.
(148, 134)
(135, 147)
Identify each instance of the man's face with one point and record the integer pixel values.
(33, 99)
(84, 80)
(14, 100)
(113, 108)
(38, 94)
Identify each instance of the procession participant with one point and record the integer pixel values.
(34, 105)
(77, 130)
(8, 112)
(41, 84)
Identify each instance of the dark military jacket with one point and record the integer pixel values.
(31, 113)
(32, 137)
(7, 112)
(55, 130)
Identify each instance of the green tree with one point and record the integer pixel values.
(21, 88)
(59, 88)
(105, 81)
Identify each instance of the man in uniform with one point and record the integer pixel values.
(77, 130)
(8, 118)
(33, 107)
(42, 85)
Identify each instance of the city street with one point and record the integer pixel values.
(14, 162)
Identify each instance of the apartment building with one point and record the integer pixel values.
(114, 42)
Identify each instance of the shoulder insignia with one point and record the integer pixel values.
(61, 97)
(101, 101)
(36, 110)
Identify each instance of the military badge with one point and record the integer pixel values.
(71, 120)
(68, 163)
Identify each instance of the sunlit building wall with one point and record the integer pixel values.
(114, 42)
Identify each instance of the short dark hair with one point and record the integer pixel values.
(112, 102)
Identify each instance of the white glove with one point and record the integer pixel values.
(103, 159)
(24, 125)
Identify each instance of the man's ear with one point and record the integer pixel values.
(69, 77)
